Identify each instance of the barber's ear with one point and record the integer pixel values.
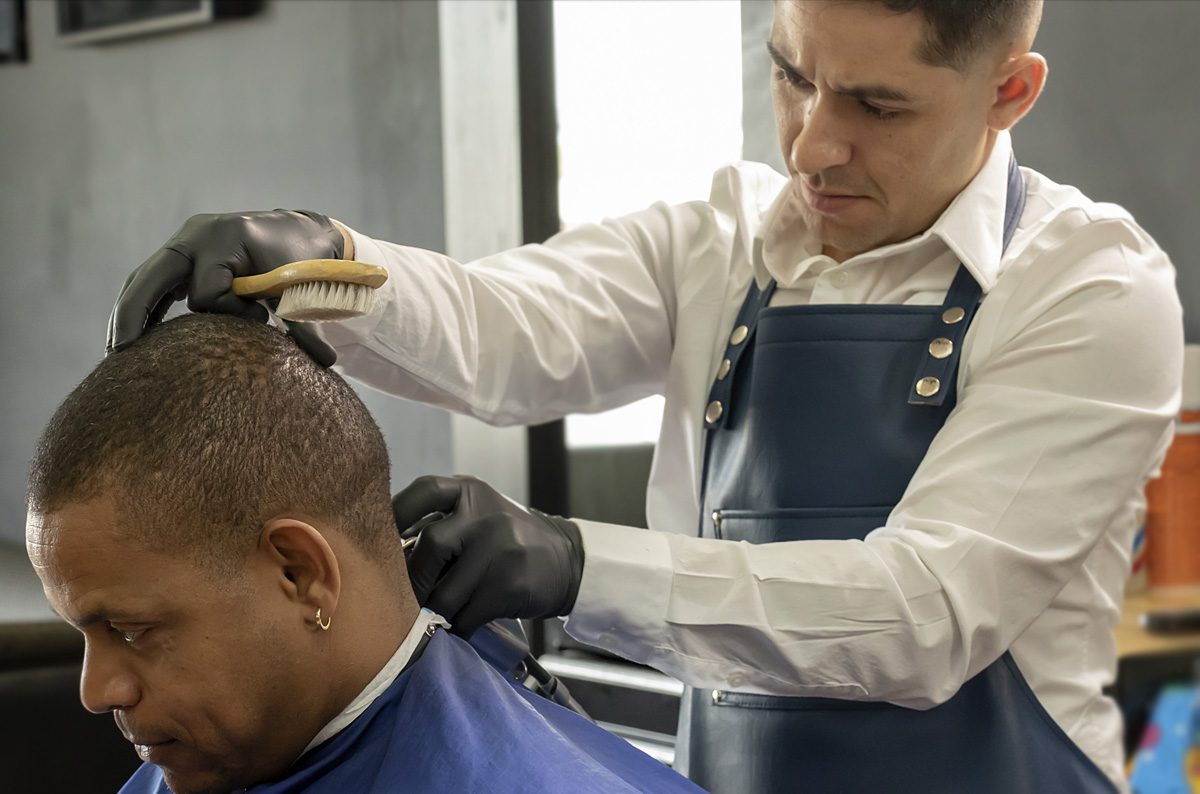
(303, 563)
(1018, 83)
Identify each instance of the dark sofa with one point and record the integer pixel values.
(48, 742)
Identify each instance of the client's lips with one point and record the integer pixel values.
(151, 751)
(147, 743)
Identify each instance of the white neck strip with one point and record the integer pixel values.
(382, 680)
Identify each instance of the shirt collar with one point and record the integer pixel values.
(972, 227)
(382, 680)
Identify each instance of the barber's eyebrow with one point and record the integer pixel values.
(863, 92)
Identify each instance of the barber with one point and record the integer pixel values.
(912, 394)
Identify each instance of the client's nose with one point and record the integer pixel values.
(104, 684)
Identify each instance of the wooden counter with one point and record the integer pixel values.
(1133, 640)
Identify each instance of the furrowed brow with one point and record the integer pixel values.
(865, 92)
(782, 62)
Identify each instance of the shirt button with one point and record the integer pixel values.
(840, 279)
(736, 680)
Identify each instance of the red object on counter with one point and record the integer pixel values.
(1173, 511)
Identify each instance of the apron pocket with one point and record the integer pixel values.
(746, 700)
(799, 523)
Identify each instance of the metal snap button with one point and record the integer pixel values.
(717, 696)
(714, 411)
(723, 370)
(941, 348)
(927, 387)
(739, 335)
(953, 315)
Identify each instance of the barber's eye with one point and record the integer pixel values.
(879, 113)
(794, 79)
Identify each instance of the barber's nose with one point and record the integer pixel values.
(822, 140)
(105, 684)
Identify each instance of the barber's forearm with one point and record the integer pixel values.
(774, 619)
(519, 337)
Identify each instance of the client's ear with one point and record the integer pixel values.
(304, 564)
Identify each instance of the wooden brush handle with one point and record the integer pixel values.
(272, 283)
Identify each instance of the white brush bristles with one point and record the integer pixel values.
(324, 301)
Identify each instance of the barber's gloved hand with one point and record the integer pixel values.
(201, 260)
(489, 557)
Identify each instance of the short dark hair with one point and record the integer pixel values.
(961, 29)
(207, 427)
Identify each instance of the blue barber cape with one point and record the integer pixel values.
(452, 723)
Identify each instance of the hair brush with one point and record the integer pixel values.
(316, 290)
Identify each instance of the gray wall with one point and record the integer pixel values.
(106, 150)
(758, 121)
(1118, 119)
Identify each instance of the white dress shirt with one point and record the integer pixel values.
(1015, 531)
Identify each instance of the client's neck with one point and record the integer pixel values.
(380, 613)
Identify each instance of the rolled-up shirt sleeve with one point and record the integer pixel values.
(1065, 407)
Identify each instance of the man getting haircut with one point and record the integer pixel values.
(211, 509)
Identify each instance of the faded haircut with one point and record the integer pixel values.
(209, 426)
(959, 30)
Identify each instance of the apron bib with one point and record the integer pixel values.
(815, 427)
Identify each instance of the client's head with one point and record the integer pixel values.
(192, 505)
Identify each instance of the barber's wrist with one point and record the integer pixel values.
(572, 549)
(571, 531)
(347, 240)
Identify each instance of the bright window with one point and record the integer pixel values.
(649, 96)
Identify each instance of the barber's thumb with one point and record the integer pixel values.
(311, 342)
(423, 496)
(426, 566)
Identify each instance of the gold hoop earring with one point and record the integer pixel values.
(328, 621)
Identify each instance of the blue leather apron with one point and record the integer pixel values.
(815, 427)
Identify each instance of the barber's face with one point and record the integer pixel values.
(877, 142)
(203, 672)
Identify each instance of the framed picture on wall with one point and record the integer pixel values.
(14, 47)
(90, 21)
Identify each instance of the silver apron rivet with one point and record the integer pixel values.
(715, 409)
(927, 387)
(941, 348)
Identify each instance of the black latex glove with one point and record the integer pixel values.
(489, 557)
(201, 260)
